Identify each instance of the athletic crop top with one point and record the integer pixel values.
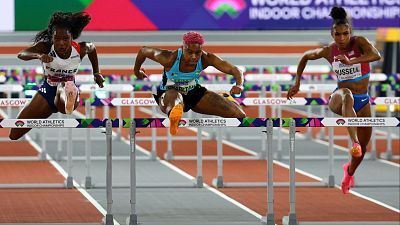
(349, 73)
(62, 69)
(181, 81)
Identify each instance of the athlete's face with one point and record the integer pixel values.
(341, 34)
(62, 39)
(192, 53)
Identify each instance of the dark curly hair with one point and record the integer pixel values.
(339, 16)
(73, 22)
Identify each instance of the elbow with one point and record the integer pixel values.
(20, 56)
(378, 57)
(142, 50)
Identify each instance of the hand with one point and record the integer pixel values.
(236, 90)
(293, 91)
(99, 79)
(45, 58)
(141, 74)
(343, 59)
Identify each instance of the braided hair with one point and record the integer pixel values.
(339, 16)
(73, 22)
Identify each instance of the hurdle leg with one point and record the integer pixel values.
(219, 181)
(199, 177)
(132, 219)
(279, 149)
(292, 219)
(169, 154)
(309, 112)
(88, 148)
(331, 178)
(42, 154)
(132, 109)
(269, 219)
(59, 142)
(153, 155)
(119, 133)
(108, 219)
(70, 182)
(388, 155)
(322, 133)
(372, 154)
(261, 113)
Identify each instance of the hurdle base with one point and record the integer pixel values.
(331, 181)
(199, 180)
(218, 182)
(262, 155)
(69, 183)
(290, 220)
(268, 220)
(370, 156)
(132, 220)
(153, 155)
(168, 155)
(108, 220)
(88, 182)
(386, 155)
(42, 156)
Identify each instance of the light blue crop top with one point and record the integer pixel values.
(181, 81)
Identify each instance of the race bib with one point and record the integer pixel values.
(346, 72)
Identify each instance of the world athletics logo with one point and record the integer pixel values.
(340, 122)
(219, 7)
(19, 123)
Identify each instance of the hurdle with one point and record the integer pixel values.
(133, 124)
(56, 123)
(310, 122)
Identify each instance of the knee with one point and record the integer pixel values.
(347, 96)
(13, 136)
(171, 96)
(239, 114)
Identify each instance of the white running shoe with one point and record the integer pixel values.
(71, 91)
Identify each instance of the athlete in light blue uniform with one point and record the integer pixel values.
(180, 90)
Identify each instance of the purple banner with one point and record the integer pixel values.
(265, 14)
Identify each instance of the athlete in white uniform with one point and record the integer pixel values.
(60, 57)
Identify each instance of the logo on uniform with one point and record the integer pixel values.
(218, 8)
(340, 122)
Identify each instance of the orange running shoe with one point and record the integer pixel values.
(174, 118)
(71, 91)
(355, 151)
(348, 181)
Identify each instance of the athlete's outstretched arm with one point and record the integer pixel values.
(37, 51)
(158, 55)
(227, 68)
(308, 55)
(90, 49)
